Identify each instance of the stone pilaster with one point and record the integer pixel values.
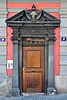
(51, 80)
(20, 65)
(15, 77)
(46, 63)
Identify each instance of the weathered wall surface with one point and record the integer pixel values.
(61, 80)
(61, 84)
(5, 88)
(2, 41)
(4, 79)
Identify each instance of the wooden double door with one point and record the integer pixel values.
(33, 69)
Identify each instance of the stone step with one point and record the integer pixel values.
(31, 94)
(37, 97)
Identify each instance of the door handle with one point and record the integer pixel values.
(33, 69)
(23, 69)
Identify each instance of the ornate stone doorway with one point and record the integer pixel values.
(33, 23)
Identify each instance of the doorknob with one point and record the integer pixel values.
(33, 70)
(23, 69)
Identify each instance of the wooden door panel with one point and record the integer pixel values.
(33, 82)
(33, 58)
(33, 69)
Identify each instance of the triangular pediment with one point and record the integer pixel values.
(32, 15)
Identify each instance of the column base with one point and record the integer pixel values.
(15, 92)
(51, 91)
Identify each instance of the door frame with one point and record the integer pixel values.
(45, 63)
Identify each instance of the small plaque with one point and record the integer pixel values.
(9, 64)
(2, 39)
(63, 39)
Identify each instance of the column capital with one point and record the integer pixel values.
(46, 40)
(15, 40)
(15, 29)
(16, 35)
(51, 39)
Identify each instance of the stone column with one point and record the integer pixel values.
(51, 79)
(20, 65)
(46, 63)
(15, 75)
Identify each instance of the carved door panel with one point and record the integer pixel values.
(33, 69)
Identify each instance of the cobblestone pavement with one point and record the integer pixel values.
(37, 97)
